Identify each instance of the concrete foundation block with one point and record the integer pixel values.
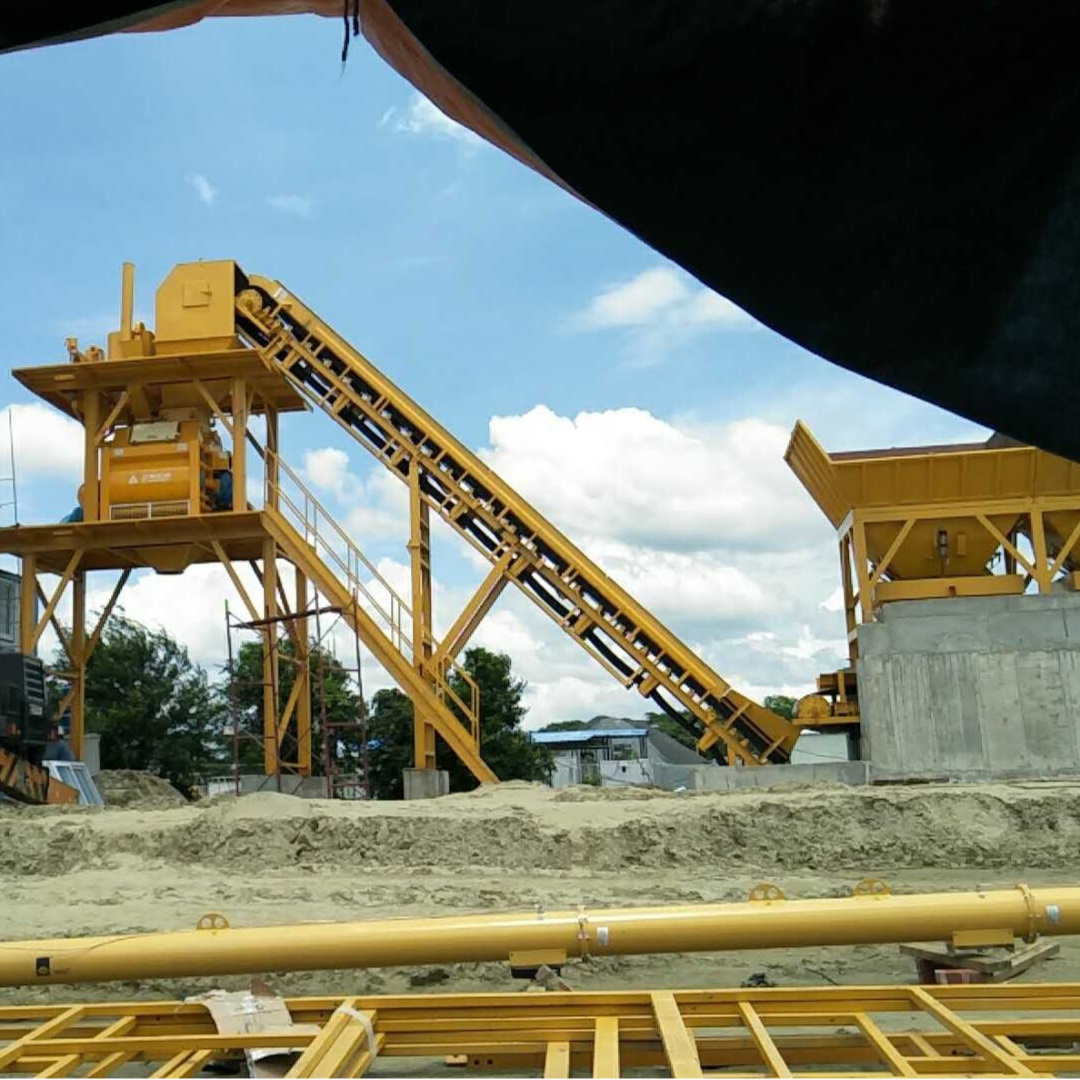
(426, 783)
(721, 778)
(972, 687)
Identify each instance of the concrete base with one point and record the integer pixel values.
(304, 787)
(426, 783)
(92, 752)
(719, 778)
(972, 687)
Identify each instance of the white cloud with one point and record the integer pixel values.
(659, 309)
(707, 308)
(47, 443)
(372, 506)
(379, 509)
(202, 187)
(834, 601)
(625, 474)
(297, 205)
(328, 468)
(636, 302)
(421, 117)
(689, 586)
(805, 647)
(572, 697)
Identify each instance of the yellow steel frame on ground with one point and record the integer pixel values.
(985, 1030)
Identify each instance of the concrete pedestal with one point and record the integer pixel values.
(426, 783)
(972, 687)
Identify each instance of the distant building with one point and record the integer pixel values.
(614, 753)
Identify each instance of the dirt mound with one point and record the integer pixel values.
(526, 830)
(128, 789)
(261, 805)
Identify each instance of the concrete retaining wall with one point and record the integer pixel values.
(972, 688)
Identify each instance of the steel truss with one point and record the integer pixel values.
(989, 1030)
(447, 480)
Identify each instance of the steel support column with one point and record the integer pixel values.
(303, 677)
(79, 658)
(271, 741)
(420, 562)
(239, 444)
(91, 501)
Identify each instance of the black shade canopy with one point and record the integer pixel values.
(892, 184)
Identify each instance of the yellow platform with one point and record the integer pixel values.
(168, 545)
(172, 381)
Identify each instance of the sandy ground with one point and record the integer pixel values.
(266, 859)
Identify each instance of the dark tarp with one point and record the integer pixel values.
(894, 184)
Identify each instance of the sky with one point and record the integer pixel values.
(645, 415)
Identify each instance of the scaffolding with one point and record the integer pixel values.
(274, 745)
(338, 735)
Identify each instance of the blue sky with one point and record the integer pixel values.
(643, 414)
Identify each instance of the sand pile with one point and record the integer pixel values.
(132, 790)
(522, 829)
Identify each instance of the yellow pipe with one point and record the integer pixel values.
(698, 928)
(127, 301)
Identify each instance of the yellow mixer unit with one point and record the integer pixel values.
(162, 468)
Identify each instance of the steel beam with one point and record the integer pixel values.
(419, 547)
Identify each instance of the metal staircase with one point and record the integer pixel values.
(524, 548)
(314, 542)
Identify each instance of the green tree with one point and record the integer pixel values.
(509, 751)
(244, 693)
(688, 731)
(153, 707)
(781, 705)
(390, 733)
(566, 725)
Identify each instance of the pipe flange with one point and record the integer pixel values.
(766, 891)
(871, 886)
(583, 932)
(1033, 912)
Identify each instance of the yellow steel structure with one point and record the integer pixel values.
(524, 549)
(857, 1031)
(153, 496)
(868, 917)
(937, 521)
(942, 520)
(228, 346)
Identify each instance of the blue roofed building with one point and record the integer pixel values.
(610, 752)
